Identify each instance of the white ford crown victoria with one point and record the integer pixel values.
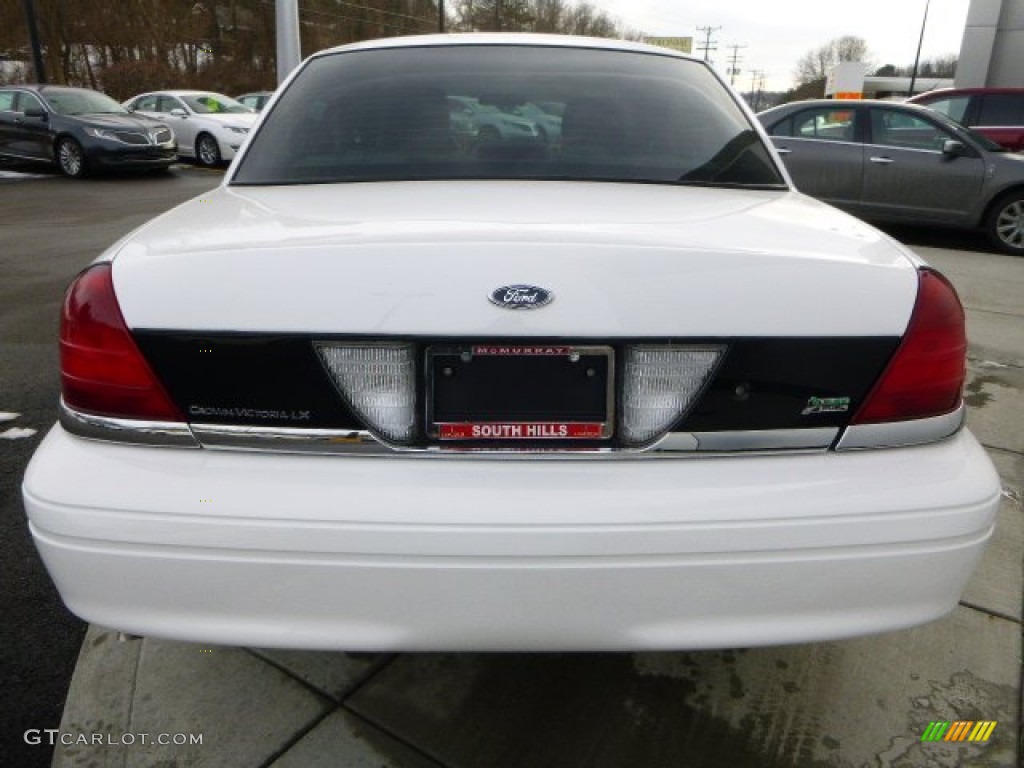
(390, 387)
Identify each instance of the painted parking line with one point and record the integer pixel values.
(14, 433)
(19, 176)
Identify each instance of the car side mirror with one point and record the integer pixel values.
(37, 112)
(953, 148)
(179, 112)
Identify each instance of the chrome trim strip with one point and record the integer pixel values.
(350, 442)
(749, 440)
(289, 440)
(892, 147)
(894, 434)
(361, 442)
(136, 431)
(856, 144)
(775, 138)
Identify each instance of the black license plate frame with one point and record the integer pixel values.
(520, 392)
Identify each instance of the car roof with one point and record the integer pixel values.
(40, 87)
(177, 93)
(507, 39)
(847, 103)
(946, 92)
(188, 92)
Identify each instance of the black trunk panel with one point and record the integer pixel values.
(251, 380)
(279, 381)
(769, 383)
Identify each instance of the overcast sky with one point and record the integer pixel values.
(778, 32)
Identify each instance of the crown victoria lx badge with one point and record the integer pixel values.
(521, 297)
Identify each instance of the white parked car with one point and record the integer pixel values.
(209, 127)
(381, 391)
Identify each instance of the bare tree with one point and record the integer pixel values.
(497, 15)
(228, 45)
(555, 16)
(938, 66)
(815, 64)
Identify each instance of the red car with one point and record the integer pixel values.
(997, 113)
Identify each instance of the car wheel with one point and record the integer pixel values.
(1005, 224)
(207, 150)
(71, 158)
(489, 134)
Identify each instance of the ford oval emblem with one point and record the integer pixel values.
(521, 297)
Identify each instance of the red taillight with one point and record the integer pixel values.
(102, 370)
(926, 375)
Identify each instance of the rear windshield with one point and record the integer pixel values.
(506, 112)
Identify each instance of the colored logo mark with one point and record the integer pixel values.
(959, 730)
(826, 405)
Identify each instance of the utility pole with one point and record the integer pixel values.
(289, 54)
(497, 15)
(756, 86)
(733, 62)
(440, 16)
(708, 45)
(33, 37)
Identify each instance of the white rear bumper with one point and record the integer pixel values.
(416, 554)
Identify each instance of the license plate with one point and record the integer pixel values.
(508, 392)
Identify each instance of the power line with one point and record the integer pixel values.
(708, 44)
(304, 14)
(365, 7)
(358, 7)
(394, 25)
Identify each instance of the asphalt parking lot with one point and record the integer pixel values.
(850, 704)
(51, 228)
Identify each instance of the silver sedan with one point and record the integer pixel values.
(897, 162)
(208, 126)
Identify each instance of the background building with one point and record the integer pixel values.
(992, 51)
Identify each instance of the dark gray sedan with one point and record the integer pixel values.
(79, 130)
(896, 162)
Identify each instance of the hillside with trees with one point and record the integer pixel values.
(229, 45)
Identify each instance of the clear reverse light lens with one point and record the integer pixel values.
(661, 382)
(379, 382)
